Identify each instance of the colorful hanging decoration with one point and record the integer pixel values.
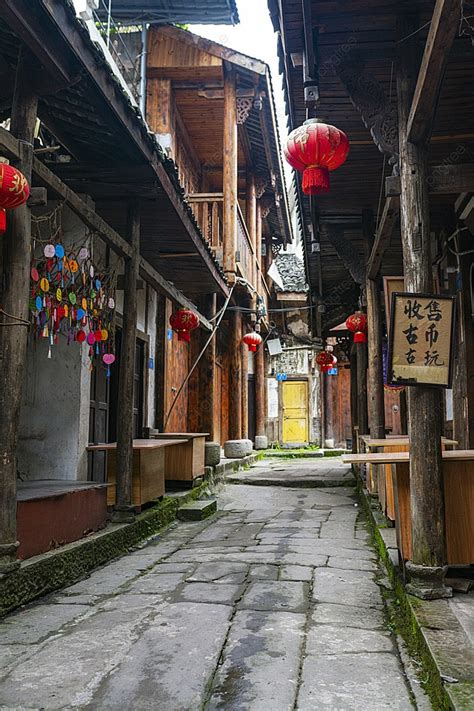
(252, 340)
(316, 148)
(183, 322)
(357, 324)
(14, 191)
(70, 295)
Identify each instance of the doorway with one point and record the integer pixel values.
(295, 429)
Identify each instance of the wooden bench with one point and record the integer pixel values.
(380, 477)
(184, 463)
(458, 481)
(148, 476)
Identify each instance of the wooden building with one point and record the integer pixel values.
(397, 78)
(101, 182)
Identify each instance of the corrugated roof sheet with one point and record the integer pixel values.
(202, 12)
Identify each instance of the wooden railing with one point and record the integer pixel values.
(208, 211)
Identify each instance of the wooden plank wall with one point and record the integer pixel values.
(177, 356)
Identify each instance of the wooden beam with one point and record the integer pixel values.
(209, 397)
(235, 376)
(123, 504)
(443, 29)
(16, 260)
(383, 235)
(442, 180)
(230, 187)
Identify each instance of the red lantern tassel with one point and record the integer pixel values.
(360, 337)
(3, 221)
(315, 180)
(184, 336)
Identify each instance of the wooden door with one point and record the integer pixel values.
(295, 412)
(251, 407)
(98, 422)
(138, 377)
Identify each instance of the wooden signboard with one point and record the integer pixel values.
(421, 339)
(391, 284)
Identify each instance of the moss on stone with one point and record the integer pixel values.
(65, 566)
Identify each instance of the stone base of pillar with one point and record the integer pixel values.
(427, 583)
(212, 454)
(236, 448)
(8, 560)
(249, 445)
(261, 442)
(123, 514)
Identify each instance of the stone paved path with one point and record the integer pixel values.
(272, 605)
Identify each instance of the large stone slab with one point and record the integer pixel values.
(221, 593)
(352, 682)
(344, 615)
(332, 639)
(276, 595)
(171, 663)
(260, 662)
(37, 622)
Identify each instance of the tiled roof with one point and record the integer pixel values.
(291, 269)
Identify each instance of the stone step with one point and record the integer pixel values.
(197, 510)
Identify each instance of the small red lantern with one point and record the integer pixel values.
(357, 324)
(327, 366)
(183, 322)
(324, 358)
(252, 340)
(14, 191)
(316, 148)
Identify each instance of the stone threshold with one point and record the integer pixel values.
(72, 562)
(310, 454)
(432, 632)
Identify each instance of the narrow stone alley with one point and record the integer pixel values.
(273, 603)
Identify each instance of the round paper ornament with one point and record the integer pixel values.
(84, 304)
(83, 254)
(66, 310)
(90, 338)
(108, 358)
(59, 251)
(39, 303)
(111, 303)
(80, 336)
(59, 295)
(34, 274)
(73, 266)
(105, 334)
(72, 298)
(49, 251)
(91, 271)
(44, 284)
(80, 313)
(98, 335)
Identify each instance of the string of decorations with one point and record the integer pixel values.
(71, 294)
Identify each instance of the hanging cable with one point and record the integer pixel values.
(185, 381)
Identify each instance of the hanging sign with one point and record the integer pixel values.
(421, 339)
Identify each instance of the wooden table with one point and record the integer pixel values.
(380, 477)
(458, 482)
(186, 462)
(148, 476)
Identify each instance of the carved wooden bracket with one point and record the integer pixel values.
(368, 97)
(260, 184)
(266, 204)
(244, 106)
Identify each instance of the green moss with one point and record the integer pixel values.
(62, 567)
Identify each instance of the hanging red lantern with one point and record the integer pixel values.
(324, 358)
(14, 191)
(252, 340)
(357, 324)
(183, 322)
(316, 148)
(325, 367)
(360, 337)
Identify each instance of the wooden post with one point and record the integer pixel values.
(123, 508)
(245, 390)
(15, 295)
(235, 379)
(425, 410)
(376, 404)
(362, 415)
(207, 381)
(230, 174)
(260, 392)
(252, 224)
(258, 244)
(354, 408)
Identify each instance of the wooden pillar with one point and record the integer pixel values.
(252, 220)
(245, 390)
(354, 407)
(15, 295)
(230, 174)
(425, 412)
(260, 392)
(376, 402)
(258, 244)
(207, 381)
(235, 379)
(123, 507)
(362, 415)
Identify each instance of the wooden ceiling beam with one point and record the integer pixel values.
(442, 180)
(443, 30)
(383, 235)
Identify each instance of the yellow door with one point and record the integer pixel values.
(295, 411)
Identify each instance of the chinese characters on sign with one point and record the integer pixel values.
(421, 339)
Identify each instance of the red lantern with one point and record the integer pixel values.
(357, 322)
(360, 337)
(324, 358)
(184, 321)
(252, 340)
(327, 366)
(316, 148)
(14, 191)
